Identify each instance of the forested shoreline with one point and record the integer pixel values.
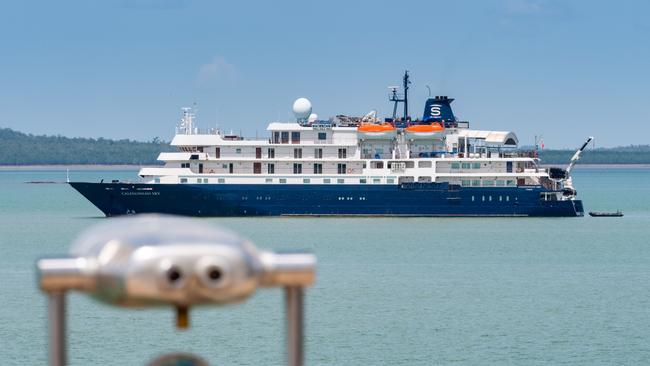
(17, 148)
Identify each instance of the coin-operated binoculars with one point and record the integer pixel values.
(155, 260)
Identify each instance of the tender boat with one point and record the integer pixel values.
(618, 213)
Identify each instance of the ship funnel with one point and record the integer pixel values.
(438, 109)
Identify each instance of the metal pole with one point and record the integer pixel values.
(294, 313)
(56, 318)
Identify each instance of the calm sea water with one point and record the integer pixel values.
(412, 291)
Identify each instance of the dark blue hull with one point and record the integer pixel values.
(409, 199)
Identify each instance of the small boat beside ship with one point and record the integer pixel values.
(618, 213)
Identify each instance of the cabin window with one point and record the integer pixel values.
(157, 180)
(455, 165)
(271, 153)
(476, 165)
(476, 183)
(377, 164)
(510, 183)
(340, 181)
(231, 168)
(283, 180)
(297, 153)
(327, 181)
(500, 198)
(507, 198)
(500, 183)
(268, 180)
(276, 137)
(343, 153)
(390, 180)
(194, 157)
(238, 151)
(306, 180)
(322, 136)
(270, 168)
(297, 168)
(483, 198)
(424, 164)
(376, 181)
(200, 168)
(221, 180)
(183, 180)
(285, 137)
(466, 165)
(472, 198)
(295, 137)
(341, 168)
(465, 183)
(185, 165)
(488, 183)
(318, 168)
(257, 168)
(363, 181)
(217, 152)
(318, 153)
(258, 153)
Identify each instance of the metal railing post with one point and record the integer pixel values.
(56, 331)
(294, 316)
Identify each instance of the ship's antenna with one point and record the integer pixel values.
(429, 89)
(406, 94)
(394, 97)
(67, 175)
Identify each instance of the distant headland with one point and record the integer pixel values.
(21, 149)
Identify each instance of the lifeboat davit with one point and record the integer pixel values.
(432, 131)
(377, 131)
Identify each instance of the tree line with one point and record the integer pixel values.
(17, 148)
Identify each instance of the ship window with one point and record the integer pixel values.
(488, 183)
(327, 180)
(297, 168)
(322, 136)
(297, 153)
(318, 153)
(483, 198)
(363, 181)
(377, 165)
(221, 180)
(271, 153)
(276, 137)
(507, 198)
(306, 180)
(500, 183)
(476, 165)
(270, 168)
(237, 151)
(185, 165)
(455, 165)
(424, 164)
(472, 198)
(157, 180)
(390, 180)
(476, 183)
(295, 137)
(199, 149)
(500, 198)
(465, 183)
(183, 180)
(510, 183)
(217, 152)
(194, 157)
(490, 198)
(466, 165)
(269, 180)
(343, 153)
(318, 168)
(376, 181)
(285, 137)
(340, 180)
(341, 168)
(283, 180)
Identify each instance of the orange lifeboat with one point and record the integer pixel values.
(373, 131)
(433, 130)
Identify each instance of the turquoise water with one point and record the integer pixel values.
(407, 291)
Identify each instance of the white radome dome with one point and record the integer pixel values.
(302, 108)
(312, 117)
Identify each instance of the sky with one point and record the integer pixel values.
(119, 69)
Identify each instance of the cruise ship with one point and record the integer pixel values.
(346, 166)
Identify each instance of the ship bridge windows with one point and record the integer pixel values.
(295, 137)
(284, 137)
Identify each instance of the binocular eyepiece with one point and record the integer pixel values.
(154, 260)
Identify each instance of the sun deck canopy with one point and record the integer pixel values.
(504, 138)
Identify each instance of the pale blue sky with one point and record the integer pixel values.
(124, 68)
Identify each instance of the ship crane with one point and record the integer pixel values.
(576, 156)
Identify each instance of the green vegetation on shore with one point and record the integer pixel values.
(17, 148)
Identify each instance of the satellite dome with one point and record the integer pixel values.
(302, 108)
(312, 117)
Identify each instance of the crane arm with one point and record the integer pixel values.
(576, 156)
